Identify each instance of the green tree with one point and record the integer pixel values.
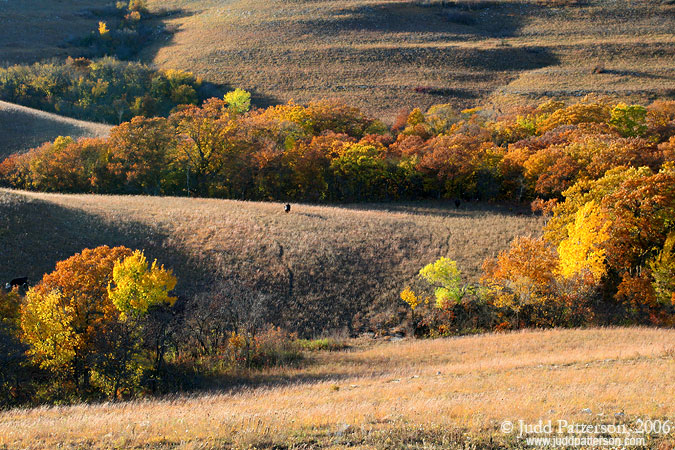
(238, 101)
(447, 279)
(629, 120)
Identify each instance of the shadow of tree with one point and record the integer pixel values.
(457, 21)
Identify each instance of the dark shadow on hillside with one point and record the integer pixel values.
(258, 99)
(311, 293)
(504, 58)
(446, 208)
(459, 20)
(36, 234)
(127, 39)
(637, 74)
(22, 129)
(31, 31)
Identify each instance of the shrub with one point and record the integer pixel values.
(323, 344)
(103, 90)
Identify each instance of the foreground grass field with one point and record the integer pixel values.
(23, 128)
(446, 393)
(384, 55)
(316, 267)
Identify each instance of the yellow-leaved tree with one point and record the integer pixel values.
(47, 325)
(581, 253)
(447, 278)
(63, 315)
(103, 29)
(83, 329)
(663, 271)
(137, 286)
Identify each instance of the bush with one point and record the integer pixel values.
(323, 344)
(103, 90)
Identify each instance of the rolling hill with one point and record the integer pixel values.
(23, 128)
(426, 394)
(384, 55)
(34, 30)
(316, 267)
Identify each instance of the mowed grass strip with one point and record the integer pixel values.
(317, 266)
(380, 395)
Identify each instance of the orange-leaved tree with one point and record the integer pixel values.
(63, 314)
(83, 321)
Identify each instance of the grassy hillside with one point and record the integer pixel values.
(317, 266)
(413, 394)
(22, 128)
(384, 55)
(32, 30)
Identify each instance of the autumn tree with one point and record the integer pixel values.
(582, 253)
(663, 271)
(446, 278)
(142, 152)
(238, 101)
(204, 142)
(64, 313)
(85, 320)
(522, 279)
(137, 286)
(138, 290)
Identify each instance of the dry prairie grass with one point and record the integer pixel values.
(410, 394)
(33, 30)
(23, 128)
(317, 266)
(384, 55)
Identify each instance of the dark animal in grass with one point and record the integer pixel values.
(287, 208)
(457, 203)
(17, 282)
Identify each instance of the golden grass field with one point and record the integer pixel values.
(316, 265)
(23, 128)
(382, 55)
(444, 393)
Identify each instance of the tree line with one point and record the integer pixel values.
(606, 257)
(102, 90)
(326, 151)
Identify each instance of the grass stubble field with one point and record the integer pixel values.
(444, 393)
